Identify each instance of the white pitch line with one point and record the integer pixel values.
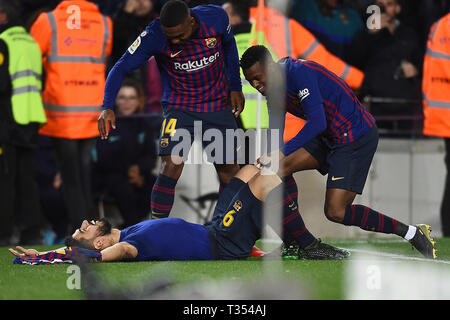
(396, 256)
(367, 241)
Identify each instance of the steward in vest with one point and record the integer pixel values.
(75, 40)
(436, 80)
(436, 100)
(21, 114)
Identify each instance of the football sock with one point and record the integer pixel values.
(371, 220)
(163, 194)
(291, 187)
(293, 225)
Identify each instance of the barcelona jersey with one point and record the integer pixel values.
(327, 103)
(197, 75)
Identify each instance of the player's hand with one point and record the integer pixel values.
(263, 161)
(25, 252)
(271, 161)
(106, 119)
(237, 102)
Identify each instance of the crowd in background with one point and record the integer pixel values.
(391, 58)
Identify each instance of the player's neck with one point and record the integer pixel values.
(115, 236)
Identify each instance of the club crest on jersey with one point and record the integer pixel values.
(237, 205)
(164, 142)
(302, 94)
(135, 45)
(211, 42)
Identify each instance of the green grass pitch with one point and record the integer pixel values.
(321, 279)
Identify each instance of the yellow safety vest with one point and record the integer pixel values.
(25, 69)
(249, 115)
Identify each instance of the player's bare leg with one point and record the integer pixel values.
(336, 201)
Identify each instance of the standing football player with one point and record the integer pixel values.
(196, 54)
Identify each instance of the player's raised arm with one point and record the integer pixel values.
(148, 43)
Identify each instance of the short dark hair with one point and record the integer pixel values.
(104, 228)
(253, 55)
(174, 13)
(241, 8)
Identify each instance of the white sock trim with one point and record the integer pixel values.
(411, 232)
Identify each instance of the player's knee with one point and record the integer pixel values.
(261, 185)
(334, 214)
(246, 173)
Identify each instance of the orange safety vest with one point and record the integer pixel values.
(436, 80)
(287, 37)
(75, 40)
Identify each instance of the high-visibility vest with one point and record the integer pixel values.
(249, 114)
(75, 40)
(436, 80)
(25, 69)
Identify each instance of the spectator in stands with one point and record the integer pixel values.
(425, 14)
(436, 100)
(331, 22)
(21, 114)
(50, 190)
(390, 58)
(75, 40)
(108, 7)
(130, 20)
(125, 161)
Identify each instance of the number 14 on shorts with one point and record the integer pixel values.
(168, 127)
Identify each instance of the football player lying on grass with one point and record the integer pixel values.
(232, 233)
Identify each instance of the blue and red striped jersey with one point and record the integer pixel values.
(197, 75)
(327, 103)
